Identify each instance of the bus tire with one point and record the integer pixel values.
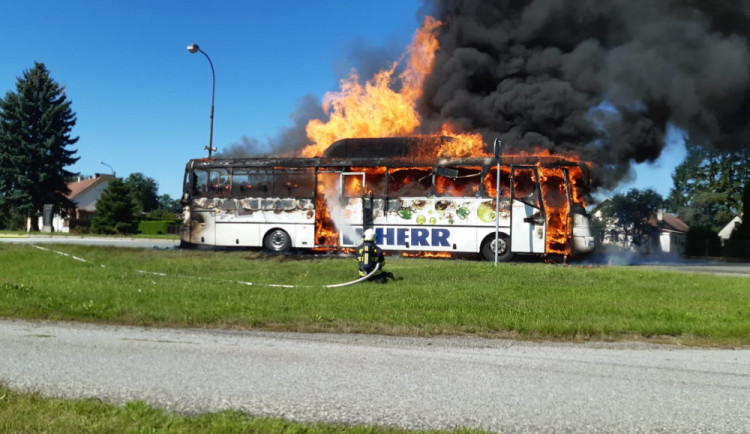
(488, 248)
(277, 241)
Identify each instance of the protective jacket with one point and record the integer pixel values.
(368, 255)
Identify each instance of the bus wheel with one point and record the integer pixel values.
(503, 253)
(277, 241)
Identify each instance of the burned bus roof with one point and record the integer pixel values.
(387, 151)
(384, 147)
(517, 160)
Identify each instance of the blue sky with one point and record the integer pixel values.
(143, 101)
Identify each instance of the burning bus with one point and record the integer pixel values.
(418, 196)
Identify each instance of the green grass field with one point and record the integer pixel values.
(178, 288)
(32, 413)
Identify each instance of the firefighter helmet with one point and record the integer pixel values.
(369, 235)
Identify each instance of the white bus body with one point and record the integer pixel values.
(325, 203)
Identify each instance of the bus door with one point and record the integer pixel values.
(556, 197)
(356, 208)
(527, 215)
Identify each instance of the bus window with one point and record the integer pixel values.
(210, 183)
(490, 182)
(409, 181)
(200, 183)
(296, 183)
(252, 182)
(577, 190)
(186, 187)
(262, 182)
(352, 185)
(241, 184)
(525, 187)
(457, 181)
(219, 182)
(374, 180)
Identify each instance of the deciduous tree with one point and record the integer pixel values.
(623, 219)
(708, 186)
(144, 190)
(166, 203)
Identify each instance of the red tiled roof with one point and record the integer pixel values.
(674, 223)
(669, 222)
(79, 187)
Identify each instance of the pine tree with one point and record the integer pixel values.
(35, 135)
(115, 210)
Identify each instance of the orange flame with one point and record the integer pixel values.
(445, 255)
(375, 109)
(461, 145)
(325, 232)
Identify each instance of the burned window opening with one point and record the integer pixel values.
(211, 183)
(525, 187)
(409, 181)
(297, 183)
(457, 181)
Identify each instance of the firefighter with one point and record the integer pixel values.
(369, 255)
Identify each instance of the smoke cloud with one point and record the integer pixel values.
(288, 140)
(367, 59)
(602, 78)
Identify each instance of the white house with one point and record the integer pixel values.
(84, 193)
(726, 232)
(667, 235)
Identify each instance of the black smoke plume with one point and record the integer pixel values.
(602, 78)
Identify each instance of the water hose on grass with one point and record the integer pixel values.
(335, 285)
(363, 278)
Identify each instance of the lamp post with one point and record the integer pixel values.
(194, 48)
(498, 153)
(110, 168)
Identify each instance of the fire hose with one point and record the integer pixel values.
(361, 279)
(335, 285)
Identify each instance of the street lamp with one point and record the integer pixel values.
(194, 48)
(110, 168)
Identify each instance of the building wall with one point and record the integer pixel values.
(86, 201)
(673, 243)
(726, 232)
(59, 224)
(85, 204)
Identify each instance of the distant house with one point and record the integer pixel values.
(726, 232)
(668, 233)
(84, 193)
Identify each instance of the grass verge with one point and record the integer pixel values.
(30, 412)
(527, 301)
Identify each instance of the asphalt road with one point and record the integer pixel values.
(143, 243)
(497, 385)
